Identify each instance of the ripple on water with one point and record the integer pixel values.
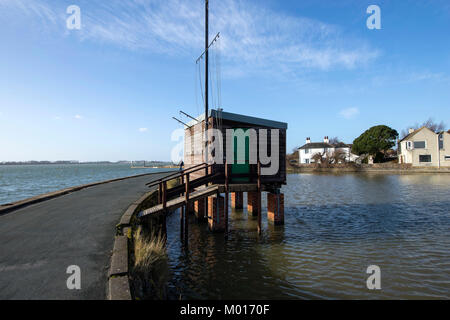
(335, 227)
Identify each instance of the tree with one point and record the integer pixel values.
(318, 157)
(335, 140)
(375, 140)
(337, 156)
(430, 124)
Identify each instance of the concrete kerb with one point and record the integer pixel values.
(4, 209)
(118, 281)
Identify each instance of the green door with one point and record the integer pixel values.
(244, 155)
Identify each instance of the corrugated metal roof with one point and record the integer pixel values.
(241, 118)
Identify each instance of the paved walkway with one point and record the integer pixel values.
(39, 242)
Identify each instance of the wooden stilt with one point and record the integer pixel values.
(259, 197)
(182, 223)
(186, 229)
(226, 200)
(186, 217)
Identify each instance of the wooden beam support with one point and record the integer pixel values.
(186, 215)
(226, 200)
(259, 197)
(182, 223)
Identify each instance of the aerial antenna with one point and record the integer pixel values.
(206, 81)
(181, 122)
(188, 116)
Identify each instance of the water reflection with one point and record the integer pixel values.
(336, 225)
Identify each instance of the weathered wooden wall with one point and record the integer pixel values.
(194, 153)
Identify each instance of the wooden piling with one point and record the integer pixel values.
(259, 197)
(226, 200)
(186, 216)
(182, 223)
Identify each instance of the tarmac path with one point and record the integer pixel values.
(39, 242)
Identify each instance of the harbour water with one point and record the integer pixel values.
(335, 227)
(18, 182)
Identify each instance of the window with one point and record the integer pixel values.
(447, 158)
(409, 145)
(441, 141)
(307, 161)
(306, 151)
(419, 144)
(425, 158)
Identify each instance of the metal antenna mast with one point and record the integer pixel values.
(206, 79)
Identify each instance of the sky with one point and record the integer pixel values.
(109, 90)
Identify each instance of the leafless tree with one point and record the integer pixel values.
(335, 140)
(430, 124)
(337, 156)
(318, 157)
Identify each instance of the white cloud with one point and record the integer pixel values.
(253, 37)
(78, 117)
(57, 117)
(349, 113)
(143, 129)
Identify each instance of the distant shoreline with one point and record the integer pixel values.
(149, 164)
(367, 169)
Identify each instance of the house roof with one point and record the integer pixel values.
(342, 145)
(320, 145)
(316, 145)
(414, 133)
(241, 118)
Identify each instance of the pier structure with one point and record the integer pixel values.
(235, 167)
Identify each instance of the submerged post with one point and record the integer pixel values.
(186, 217)
(182, 223)
(226, 200)
(259, 197)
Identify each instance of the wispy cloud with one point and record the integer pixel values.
(30, 9)
(143, 129)
(349, 113)
(253, 38)
(78, 117)
(402, 77)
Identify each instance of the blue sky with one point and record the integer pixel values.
(109, 90)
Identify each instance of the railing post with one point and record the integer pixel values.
(160, 192)
(164, 196)
(187, 188)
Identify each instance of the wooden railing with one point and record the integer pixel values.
(185, 186)
(175, 175)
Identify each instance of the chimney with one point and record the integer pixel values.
(411, 130)
(326, 140)
(308, 140)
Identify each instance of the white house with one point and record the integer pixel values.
(325, 148)
(423, 147)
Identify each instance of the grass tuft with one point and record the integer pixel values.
(150, 264)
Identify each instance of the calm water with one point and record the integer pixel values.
(25, 181)
(335, 227)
